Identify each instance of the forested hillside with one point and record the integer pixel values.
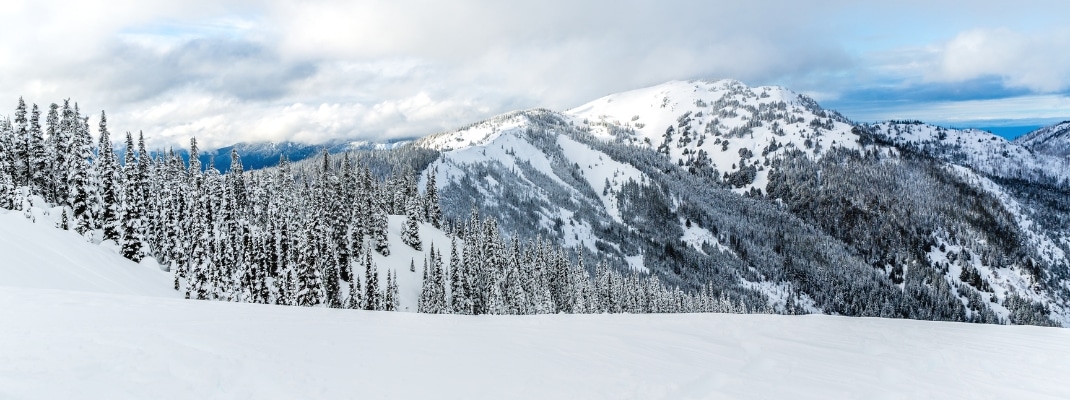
(683, 197)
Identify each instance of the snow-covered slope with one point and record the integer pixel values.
(1052, 140)
(60, 344)
(981, 150)
(517, 156)
(38, 255)
(402, 257)
(732, 124)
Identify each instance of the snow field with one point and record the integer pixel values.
(64, 344)
(38, 255)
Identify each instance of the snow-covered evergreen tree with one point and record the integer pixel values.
(80, 171)
(410, 231)
(392, 302)
(38, 173)
(432, 206)
(134, 204)
(20, 154)
(109, 181)
(373, 299)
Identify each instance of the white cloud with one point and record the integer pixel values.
(1037, 61)
(229, 71)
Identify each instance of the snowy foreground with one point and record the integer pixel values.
(61, 344)
(80, 322)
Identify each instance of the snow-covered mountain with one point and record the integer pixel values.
(267, 154)
(1032, 157)
(652, 179)
(1052, 140)
(723, 124)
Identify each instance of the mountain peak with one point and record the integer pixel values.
(735, 127)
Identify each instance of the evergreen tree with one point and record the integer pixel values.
(133, 205)
(410, 232)
(81, 189)
(372, 295)
(109, 184)
(53, 162)
(433, 208)
(391, 301)
(38, 173)
(378, 227)
(356, 298)
(20, 146)
(459, 302)
(7, 181)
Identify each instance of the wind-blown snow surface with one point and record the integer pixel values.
(36, 255)
(62, 344)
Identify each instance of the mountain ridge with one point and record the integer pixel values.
(574, 176)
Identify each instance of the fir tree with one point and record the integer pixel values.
(459, 302)
(109, 184)
(433, 211)
(379, 231)
(356, 299)
(20, 153)
(133, 206)
(391, 301)
(410, 232)
(81, 190)
(38, 173)
(372, 294)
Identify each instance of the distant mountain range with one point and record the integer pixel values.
(267, 154)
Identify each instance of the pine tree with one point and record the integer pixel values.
(109, 184)
(372, 295)
(81, 190)
(38, 173)
(133, 205)
(424, 303)
(433, 210)
(309, 278)
(439, 275)
(379, 231)
(64, 222)
(19, 145)
(7, 181)
(391, 302)
(459, 302)
(55, 192)
(355, 300)
(410, 232)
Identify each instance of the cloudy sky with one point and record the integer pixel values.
(312, 71)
